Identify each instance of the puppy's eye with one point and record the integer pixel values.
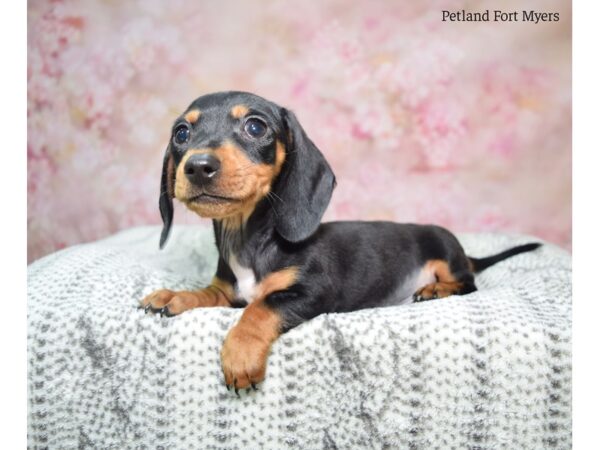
(255, 127)
(181, 135)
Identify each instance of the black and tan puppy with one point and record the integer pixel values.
(248, 164)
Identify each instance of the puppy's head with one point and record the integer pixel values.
(229, 150)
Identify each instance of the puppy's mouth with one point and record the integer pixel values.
(210, 198)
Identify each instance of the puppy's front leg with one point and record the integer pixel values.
(171, 303)
(247, 345)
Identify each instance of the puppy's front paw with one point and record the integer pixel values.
(157, 300)
(243, 359)
(170, 303)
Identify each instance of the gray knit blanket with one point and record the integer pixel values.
(488, 370)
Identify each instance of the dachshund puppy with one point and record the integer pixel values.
(247, 164)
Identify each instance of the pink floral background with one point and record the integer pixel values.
(467, 125)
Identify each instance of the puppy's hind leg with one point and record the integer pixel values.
(447, 281)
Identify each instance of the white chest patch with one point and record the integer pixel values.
(246, 282)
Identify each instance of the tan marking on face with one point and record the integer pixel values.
(192, 116)
(239, 111)
(183, 188)
(239, 178)
(279, 156)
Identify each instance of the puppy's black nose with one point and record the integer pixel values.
(201, 168)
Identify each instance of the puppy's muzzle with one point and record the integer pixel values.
(201, 169)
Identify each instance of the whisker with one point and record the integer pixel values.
(268, 197)
(276, 196)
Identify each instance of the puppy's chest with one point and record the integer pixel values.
(246, 281)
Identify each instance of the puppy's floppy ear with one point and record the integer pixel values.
(304, 185)
(165, 201)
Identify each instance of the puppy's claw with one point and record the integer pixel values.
(164, 312)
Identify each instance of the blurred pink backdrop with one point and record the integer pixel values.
(467, 125)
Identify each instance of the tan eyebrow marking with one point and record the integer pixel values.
(239, 111)
(192, 116)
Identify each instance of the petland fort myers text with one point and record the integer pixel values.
(499, 16)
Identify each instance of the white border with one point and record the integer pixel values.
(13, 256)
(586, 251)
(586, 231)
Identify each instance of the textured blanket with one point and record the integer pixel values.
(488, 370)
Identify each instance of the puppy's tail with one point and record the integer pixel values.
(479, 264)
